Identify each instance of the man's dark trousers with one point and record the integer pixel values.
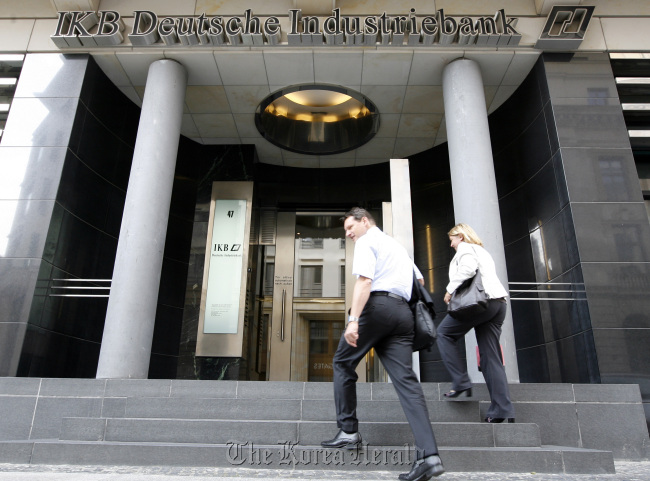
(386, 324)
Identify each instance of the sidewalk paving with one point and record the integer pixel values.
(625, 471)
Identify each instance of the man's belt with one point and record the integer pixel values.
(388, 294)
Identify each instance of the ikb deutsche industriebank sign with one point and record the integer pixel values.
(106, 28)
(564, 29)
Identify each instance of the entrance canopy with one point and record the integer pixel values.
(225, 88)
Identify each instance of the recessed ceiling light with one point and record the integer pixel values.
(633, 80)
(11, 58)
(317, 98)
(629, 55)
(639, 133)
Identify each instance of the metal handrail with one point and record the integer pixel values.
(548, 291)
(515, 298)
(541, 290)
(284, 297)
(53, 287)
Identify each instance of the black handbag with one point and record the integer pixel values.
(469, 299)
(423, 314)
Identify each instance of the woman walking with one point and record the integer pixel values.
(472, 257)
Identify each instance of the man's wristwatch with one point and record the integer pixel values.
(352, 319)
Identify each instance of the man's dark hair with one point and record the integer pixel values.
(358, 213)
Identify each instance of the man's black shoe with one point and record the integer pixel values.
(424, 469)
(343, 440)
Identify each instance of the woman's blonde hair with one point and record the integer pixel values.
(467, 232)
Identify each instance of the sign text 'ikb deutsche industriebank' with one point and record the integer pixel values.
(105, 28)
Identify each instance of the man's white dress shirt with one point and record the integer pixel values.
(385, 261)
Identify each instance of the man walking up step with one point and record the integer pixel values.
(380, 317)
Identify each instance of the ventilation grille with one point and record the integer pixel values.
(255, 227)
(268, 222)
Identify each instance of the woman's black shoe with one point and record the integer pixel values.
(453, 394)
(499, 420)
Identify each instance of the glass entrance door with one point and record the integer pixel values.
(302, 298)
(324, 337)
(309, 282)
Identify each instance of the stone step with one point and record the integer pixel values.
(285, 409)
(545, 459)
(594, 416)
(279, 390)
(305, 433)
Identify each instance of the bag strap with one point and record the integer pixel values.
(478, 263)
(415, 293)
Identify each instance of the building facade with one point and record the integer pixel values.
(134, 132)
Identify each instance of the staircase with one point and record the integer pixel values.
(281, 424)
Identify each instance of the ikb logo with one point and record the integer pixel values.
(565, 27)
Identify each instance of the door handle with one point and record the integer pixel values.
(284, 296)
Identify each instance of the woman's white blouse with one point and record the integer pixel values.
(468, 258)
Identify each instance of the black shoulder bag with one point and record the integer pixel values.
(469, 299)
(424, 313)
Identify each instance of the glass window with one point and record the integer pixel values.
(269, 273)
(318, 255)
(10, 67)
(310, 243)
(311, 281)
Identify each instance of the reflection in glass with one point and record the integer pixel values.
(320, 256)
(324, 337)
(269, 273)
(311, 281)
(309, 243)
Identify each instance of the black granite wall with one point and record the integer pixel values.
(433, 216)
(45, 116)
(63, 334)
(554, 338)
(77, 158)
(610, 222)
(176, 261)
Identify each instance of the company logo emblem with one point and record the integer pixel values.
(227, 247)
(565, 27)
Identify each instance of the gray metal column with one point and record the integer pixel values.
(128, 332)
(473, 184)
